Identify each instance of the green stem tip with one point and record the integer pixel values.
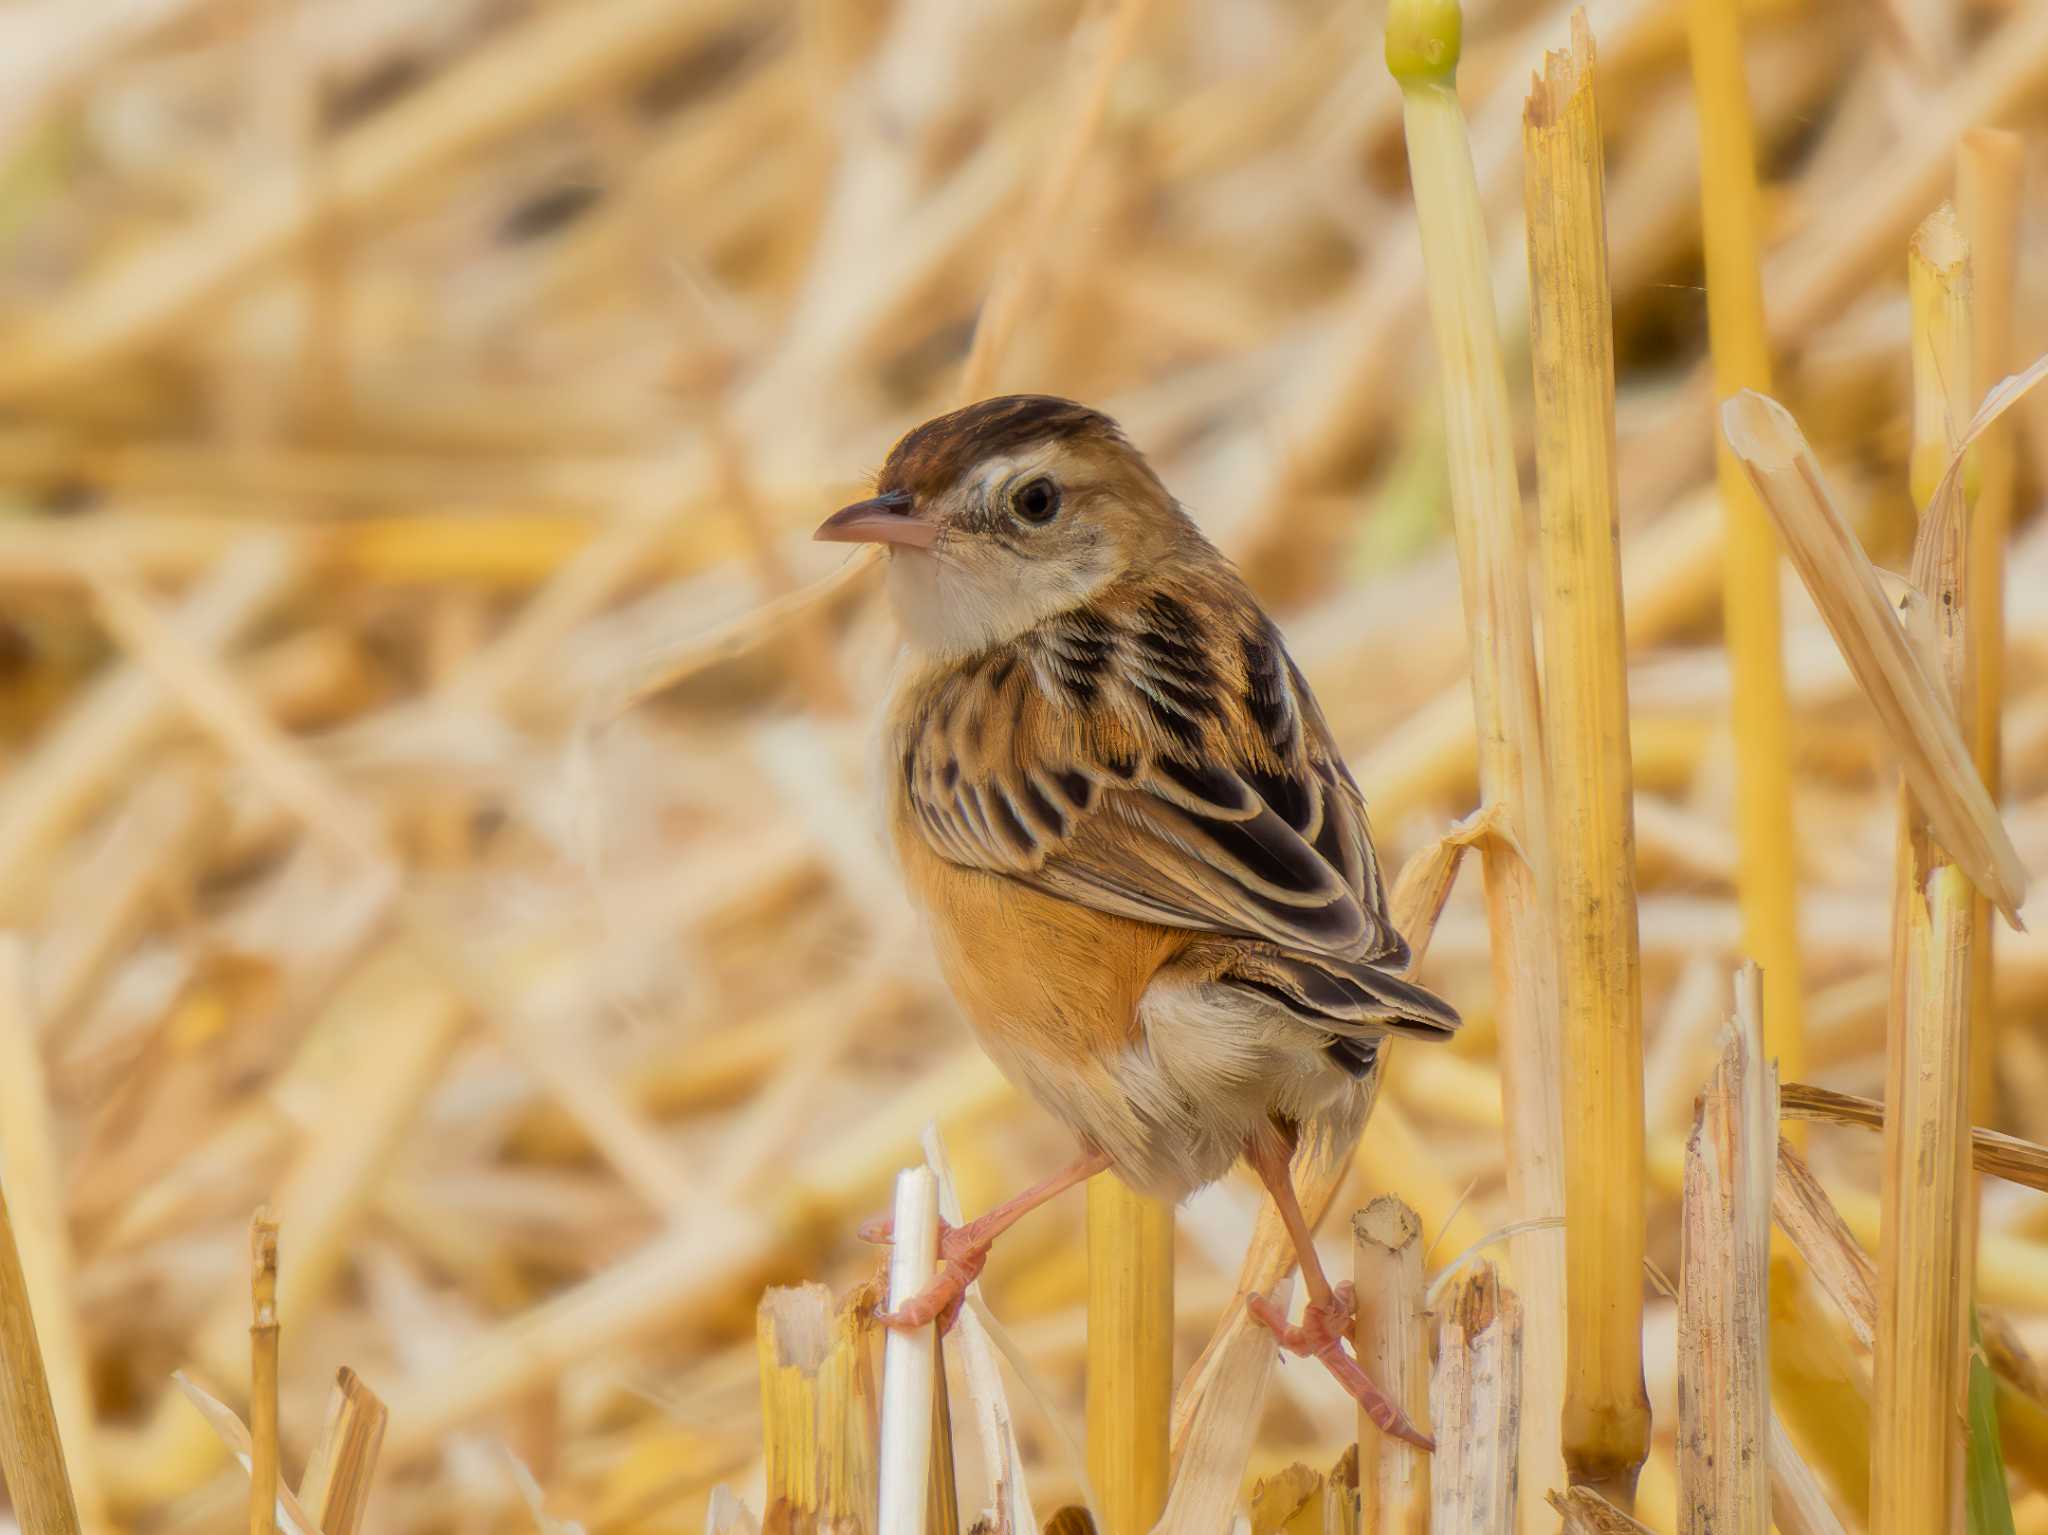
(1423, 38)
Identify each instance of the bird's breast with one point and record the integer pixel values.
(1034, 973)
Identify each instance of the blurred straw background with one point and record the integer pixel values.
(392, 393)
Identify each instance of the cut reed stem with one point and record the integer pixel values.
(817, 1408)
(1924, 1260)
(263, 1464)
(1130, 1353)
(1475, 1401)
(1423, 40)
(1724, 1403)
(1768, 874)
(1392, 1339)
(1606, 1427)
(908, 1360)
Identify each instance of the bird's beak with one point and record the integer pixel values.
(878, 520)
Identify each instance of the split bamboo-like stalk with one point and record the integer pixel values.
(336, 1487)
(1924, 1266)
(1392, 1340)
(1423, 40)
(817, 1410)
(263, 1464)
(1606, 1426)
(31, 1449)
(1475, 1403)
(909, 1360)
(1724, 1401)
(1918, 716)
(1130, 1353)
(1988, 176)
(1768, 875)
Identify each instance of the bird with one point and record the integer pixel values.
(1144, 866)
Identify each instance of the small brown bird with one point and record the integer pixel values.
(1146, 869)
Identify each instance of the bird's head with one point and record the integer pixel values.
(1005, 513)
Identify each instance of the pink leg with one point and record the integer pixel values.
(1327, 1316)
(964, 1249)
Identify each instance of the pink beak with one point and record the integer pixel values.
(878, 520)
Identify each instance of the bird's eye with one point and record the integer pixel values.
(1037, 500)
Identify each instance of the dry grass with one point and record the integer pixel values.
(393, 390)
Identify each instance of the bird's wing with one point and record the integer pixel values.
(1141, 762)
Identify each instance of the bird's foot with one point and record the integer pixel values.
(1320, 1336)
(963, 1253)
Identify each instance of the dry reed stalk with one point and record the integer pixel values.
(1475, 1402)
(36, 1197)
(1130, 1353)
(1798, 1504)
(1768, 881)
(263, 1460)
(1218, 1413)
(1724, 1402)
(1834, 1257)
(1423, 38)
(31, 1448)
(1989, 170)
(233, 1436)
(1341, 1510)
(1014, 292)
(1392, 1341)
(1606, 1424)
(1855, 232)
(335, 1489)
(909, 1361)
(994, 329)
(1918, 717)
(942, 1487)
(530, 71)
(1924, 1263)
(110, 723)
(407, 1026)
(1585, 1512)
(1290, 1502)
(2005, 1156)
(817, 1411)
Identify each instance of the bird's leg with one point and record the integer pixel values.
(1327, 1316)
(963, 1250)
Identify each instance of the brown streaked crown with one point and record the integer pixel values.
(935, 455)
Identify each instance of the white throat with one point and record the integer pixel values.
(948, 608)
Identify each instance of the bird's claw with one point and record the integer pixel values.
(1320, 1336)
(963, 1253)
